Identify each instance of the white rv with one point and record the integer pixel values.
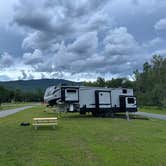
(98, 100)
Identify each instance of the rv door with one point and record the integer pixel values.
(103, 99)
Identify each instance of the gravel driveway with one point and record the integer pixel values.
(150, 115)
(13, 111)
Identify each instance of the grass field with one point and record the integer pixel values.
(82, 141)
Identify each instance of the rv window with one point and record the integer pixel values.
(131, 100)
(124, 91)
(71, 91)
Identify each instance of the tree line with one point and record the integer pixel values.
(149, 84)
(8, 95)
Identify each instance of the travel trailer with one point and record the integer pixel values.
(97, 100)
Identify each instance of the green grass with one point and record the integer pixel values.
(153, 109)
(81, 141)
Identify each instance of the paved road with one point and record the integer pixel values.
(150, 115)
(13, 111)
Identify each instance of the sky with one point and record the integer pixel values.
(79, 40)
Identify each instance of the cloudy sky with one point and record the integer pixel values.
(79, 40)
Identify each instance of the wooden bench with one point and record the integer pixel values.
(45, 122)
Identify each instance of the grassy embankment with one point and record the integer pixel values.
(82, 141)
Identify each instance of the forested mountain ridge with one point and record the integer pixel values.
(33, 85)
(28, 90)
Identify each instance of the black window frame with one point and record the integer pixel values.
(130, 100)
(124, 91)
(71, 90)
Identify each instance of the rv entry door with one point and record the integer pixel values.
(103, 99)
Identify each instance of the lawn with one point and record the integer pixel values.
(153, 109)
(82, 141)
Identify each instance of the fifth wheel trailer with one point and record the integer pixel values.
(99, 101)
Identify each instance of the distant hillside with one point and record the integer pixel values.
(32, 85)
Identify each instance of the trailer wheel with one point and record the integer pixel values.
(112, 115)
(82, 112)
(94, 113)
(103, 114)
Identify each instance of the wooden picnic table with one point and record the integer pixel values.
(53, 121)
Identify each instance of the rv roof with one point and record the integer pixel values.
(72, 86)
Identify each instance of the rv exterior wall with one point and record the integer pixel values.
(115, 93)
(87, 97)
(91, 98)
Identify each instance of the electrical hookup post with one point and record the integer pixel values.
(127, 115)
(0, 103)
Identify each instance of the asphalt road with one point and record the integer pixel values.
(150, 115)
(13, 111)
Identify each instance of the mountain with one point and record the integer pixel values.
(32, 85)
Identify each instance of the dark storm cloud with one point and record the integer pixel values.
(35, 20)
(85, 44)
(55, 16)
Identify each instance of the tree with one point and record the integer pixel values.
(150, 84)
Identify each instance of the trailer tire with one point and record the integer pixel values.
(82, 112)
(112, 115)
(103, 114)
(94, 113)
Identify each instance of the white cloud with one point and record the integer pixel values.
(33, 58)
(25, 75)
(152, 44)
(161, 24)
(6, 11)
(120, 42)
(6, 60)
(160, 52)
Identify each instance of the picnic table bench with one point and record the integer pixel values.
(53, 121)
